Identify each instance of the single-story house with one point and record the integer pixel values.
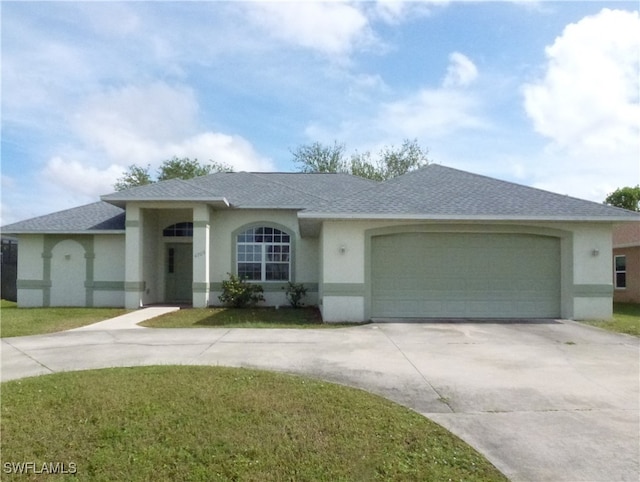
(626, 263)
(434, 243)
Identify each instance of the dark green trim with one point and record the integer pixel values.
(32, 284)
(105, 285)
(592, 291)
(201, 224)
(135, 286)
(344, 289)
(201, 287)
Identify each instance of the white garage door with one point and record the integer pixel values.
(431, 275)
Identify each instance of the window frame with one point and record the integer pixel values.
(183, 229)
(262, 249)
(622, 272)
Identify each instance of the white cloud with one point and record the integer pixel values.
(141, 125)
(79, 178)
(430, 113)
(589, 94)
(427, 113)
(461, 71)
(332, 28)
(395, 11)
(586, 104)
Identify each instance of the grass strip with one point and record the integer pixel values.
(16, 321)
(626, 319)
(242, 318)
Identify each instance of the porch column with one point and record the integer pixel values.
(201, 258)
(134, 284)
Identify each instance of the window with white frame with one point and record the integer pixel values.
(620, 263)
(263, 254)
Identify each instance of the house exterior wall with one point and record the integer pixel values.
(71, 270)
(213, 251)
(225, 224)
(586, 288)
(30, 283)
(630, 294)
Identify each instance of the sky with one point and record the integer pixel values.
(545, 94)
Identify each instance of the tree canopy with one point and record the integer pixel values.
(625, 197)
(390, 161)
(174, 168)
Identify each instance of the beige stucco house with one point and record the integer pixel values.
(434, 243)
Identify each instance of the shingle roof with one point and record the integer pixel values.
(245, 189)
(440, 192)
(433, 192)
(95, 217)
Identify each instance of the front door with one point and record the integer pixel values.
(179, 273)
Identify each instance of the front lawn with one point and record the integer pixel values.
(36, 321)
(213, 423)
(241, 318)
(626, 319)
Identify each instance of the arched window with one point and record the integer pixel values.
(263, 254)
(178, 229)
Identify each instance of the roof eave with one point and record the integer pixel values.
(475, 218)
(122, 203)
(64, 232)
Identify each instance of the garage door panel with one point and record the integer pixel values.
(474, 275)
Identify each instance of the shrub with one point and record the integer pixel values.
(295, 292)
(238, 293)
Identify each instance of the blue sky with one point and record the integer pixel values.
(540, 93)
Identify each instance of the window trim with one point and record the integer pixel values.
(617, 271)
(292, 249)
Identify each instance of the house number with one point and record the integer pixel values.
(199, 254)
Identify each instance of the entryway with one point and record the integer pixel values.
(179, 273)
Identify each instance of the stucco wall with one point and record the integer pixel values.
(30, 270)
(71, 270)
(305, 252)
(585, 264)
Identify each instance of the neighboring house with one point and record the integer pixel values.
(626, 263)
(9, 269)
(433, 243)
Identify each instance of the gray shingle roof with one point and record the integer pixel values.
(440, 192)
(245, 189)
(433, 192)
(95, 217)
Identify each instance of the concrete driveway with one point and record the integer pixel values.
(544, 401)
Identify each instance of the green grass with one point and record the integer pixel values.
(35, 321)
(242, 318)
(212, 423)
(626, 319)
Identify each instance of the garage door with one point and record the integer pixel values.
(427, 275)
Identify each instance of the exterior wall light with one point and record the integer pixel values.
(595, 252)
(342, 249)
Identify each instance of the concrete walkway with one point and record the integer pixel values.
(552, 401)
(129, 320)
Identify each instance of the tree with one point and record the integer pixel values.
(174, 168)
(390, 162)
(626, 198)
(318, 158)
(133, 176)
